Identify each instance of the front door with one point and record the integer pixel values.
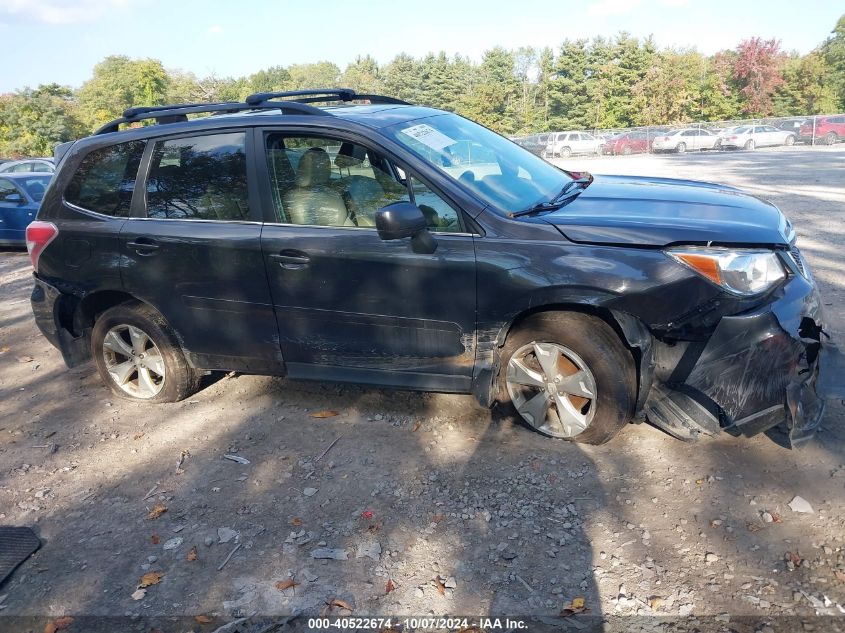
(349, 305)
(193, 251)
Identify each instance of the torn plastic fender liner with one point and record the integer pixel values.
(760, 368)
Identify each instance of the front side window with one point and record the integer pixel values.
(105, 179)
(7, 190)
(199, 178)
(510, 179)
(321, 181)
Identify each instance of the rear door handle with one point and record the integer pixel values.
(291, 259)
(143, 246)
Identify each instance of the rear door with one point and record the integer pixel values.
(349, 305)
(192, 249)
(15, 213)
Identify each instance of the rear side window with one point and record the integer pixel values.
(105, 179)
(199, 178)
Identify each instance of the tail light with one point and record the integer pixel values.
(733, 137)
(38, 236)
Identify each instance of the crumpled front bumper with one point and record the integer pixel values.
(755, 371)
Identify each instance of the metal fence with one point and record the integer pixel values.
(814, 130)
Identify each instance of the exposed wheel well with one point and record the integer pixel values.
(91, 306)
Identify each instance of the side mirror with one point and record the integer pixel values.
(403, 219)
(14, 198)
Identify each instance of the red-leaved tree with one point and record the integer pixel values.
(757, 69)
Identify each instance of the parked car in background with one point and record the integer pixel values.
(828, 130)
(685, 139)
(753, 136)
(534, 143)
(20, 196)
(790, 125)
(28, 166)
(564, 144)
(634, 142)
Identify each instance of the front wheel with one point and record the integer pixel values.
(138, 357)
(567, 375)
(830, 138)
(565, 152)
(681, 148)
(749, 144)
(790, 140)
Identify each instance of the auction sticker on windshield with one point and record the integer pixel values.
(428, 136)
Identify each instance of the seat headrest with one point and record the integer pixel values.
(349, 156)
(315, 168)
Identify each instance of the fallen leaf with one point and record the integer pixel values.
(157, 511)
(342, 604)
(417, 426)
(795, 559)
(437, 518)
(203, 619)
(441, 588)
(753, 527)
(328, 413)
(192, 554)
(286, 584)
(367, 514)
(390, 586)
(155, 539)
(655, 603)
(776, 518)
(296, 521)
(150, 578)
(138, 436)
(3, 350)
(839, 575)
(578, 605)
(699, 482)
(58, 624)
(25, 359)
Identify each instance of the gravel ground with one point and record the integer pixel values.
(436, 506)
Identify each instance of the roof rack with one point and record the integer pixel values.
(258, 101)
(323, 95)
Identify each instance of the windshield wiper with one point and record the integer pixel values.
(568, 192)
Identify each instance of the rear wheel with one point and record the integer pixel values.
(138, 357)
(681, 148)
(567, 375)
(789, 140)
(830, 138)
(749, 144)
(565, 152)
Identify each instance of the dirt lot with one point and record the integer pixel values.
(418, 488)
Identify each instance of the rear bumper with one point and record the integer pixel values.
(755, 371)
(46, 301)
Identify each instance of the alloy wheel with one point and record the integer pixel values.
(133, 361)
(552, 389)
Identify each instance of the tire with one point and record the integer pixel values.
(681, 148)
(626, 151)
(830, 138)
(169, 378)
(610, 375)
(789, 140)
(749, 144)
(565, 152)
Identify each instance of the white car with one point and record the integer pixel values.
(565, 144)
(751, 136)
(684, 140)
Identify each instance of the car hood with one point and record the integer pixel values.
(641, 211)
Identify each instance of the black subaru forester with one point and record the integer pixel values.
(378, 242)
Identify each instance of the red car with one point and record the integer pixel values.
(635, 142)
(829, 130)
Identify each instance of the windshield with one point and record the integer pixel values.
(499, 172)
(35, 186)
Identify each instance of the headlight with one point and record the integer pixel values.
(742, 271)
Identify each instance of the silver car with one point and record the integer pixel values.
(564, 144)
(752, 136)
(29, 165)
(684, 140)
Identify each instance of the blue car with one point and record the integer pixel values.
(20, 197)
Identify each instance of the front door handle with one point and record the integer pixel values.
(291, 259)
(143, 246)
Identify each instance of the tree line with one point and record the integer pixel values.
(600, 83)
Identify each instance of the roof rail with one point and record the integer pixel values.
(177, 113)
(322, 95)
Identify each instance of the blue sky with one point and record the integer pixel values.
(61, 40)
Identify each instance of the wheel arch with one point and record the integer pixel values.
(632, 333)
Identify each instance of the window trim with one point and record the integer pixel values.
(138, 206)
(270, 216)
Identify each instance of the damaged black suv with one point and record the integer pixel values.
(372, 241)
